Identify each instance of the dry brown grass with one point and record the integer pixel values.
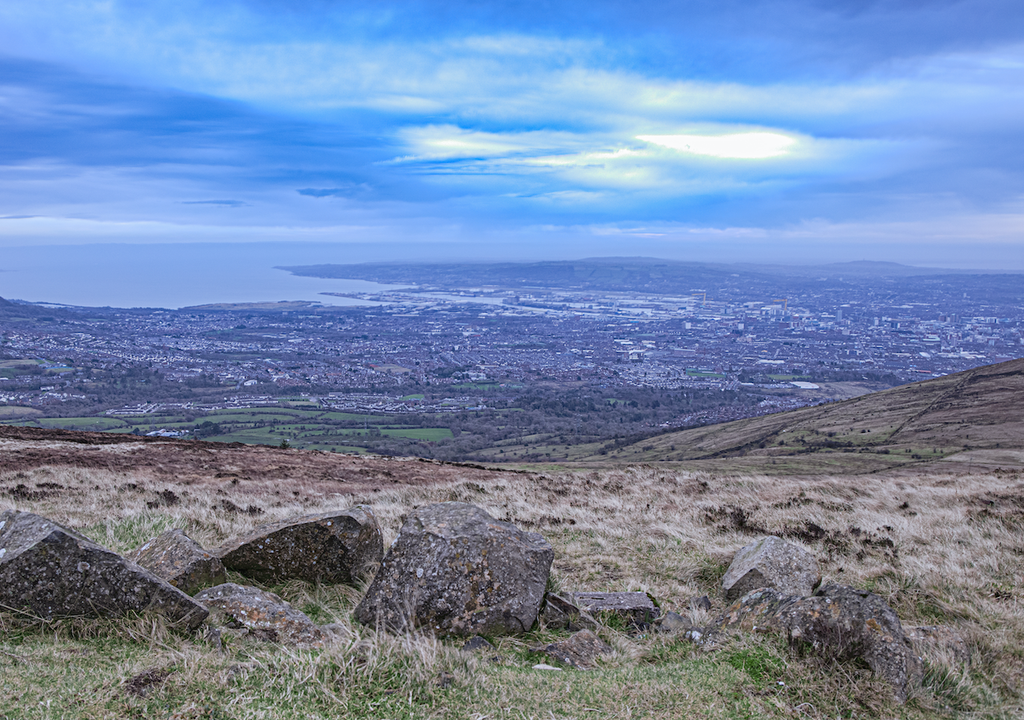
(941, 549)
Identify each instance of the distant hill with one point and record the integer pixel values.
(972, 418)
(671, 277)
(19, 311)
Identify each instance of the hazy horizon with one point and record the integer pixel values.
(181, 275)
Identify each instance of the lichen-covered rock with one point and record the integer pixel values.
(455, 570)
(774, 563)
(580, 651)
(265, 614)
(53, 572)
(837, 621)
(181, 561)
(332, 547)
(635, 610)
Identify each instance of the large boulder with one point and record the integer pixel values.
(837, 621)
(332, 547)
(53, 572)
(774, 563)
(455, 570)
(266, 615)
(181, 561)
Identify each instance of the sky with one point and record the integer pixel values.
(790, 131)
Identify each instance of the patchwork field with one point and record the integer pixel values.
(301, 427)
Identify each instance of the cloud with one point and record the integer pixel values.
(510, 115)
(744, 146)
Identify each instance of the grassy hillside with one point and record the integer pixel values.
(970, 418)
(940, 549)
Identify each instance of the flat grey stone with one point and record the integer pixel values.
(774, 563)
(636, 609)
(333, 547)
(53, 572)
(266, 615)
(180, 560)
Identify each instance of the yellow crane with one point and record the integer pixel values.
(785, 303)
(703, 298)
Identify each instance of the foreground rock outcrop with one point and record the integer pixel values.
(181, 561)
(53, 572)
(266, 615)
(332, 547)
(837, 621)
(773, 563)
(455, 570)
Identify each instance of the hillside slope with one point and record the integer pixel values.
(976, 416)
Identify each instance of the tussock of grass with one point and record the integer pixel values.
(940, 549)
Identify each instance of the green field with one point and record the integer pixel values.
(82, 423)
(300, 427)
(703, 374)
(16, 411)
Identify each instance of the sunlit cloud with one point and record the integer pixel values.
(747, 145)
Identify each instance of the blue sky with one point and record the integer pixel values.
(785, 131)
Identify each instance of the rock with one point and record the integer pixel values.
(544, 666)
(636, 609)
(478, 644)
(179, 560)
(266, 615)
(332, 547)
(455, 570)
(672, 622)
(558, 613)
(338, 631)
(939, 643)
(579, 651)
(701, 603)
(53, 572)
(837, 621)
(774, 563)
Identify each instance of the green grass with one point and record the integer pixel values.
(354, 417)
(16, 411)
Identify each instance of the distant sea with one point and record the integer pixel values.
(175, 276)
